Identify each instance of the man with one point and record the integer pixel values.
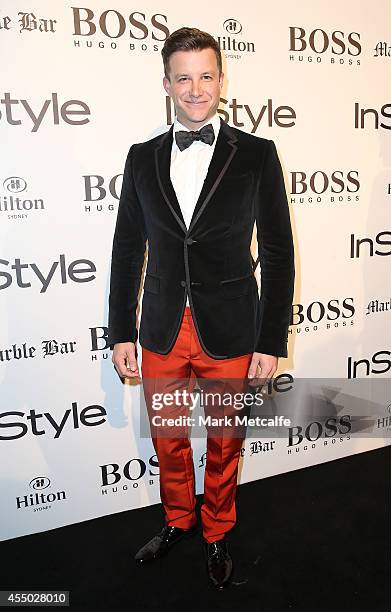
(194, 194)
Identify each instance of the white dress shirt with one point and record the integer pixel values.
(189, 168)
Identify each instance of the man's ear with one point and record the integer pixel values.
(166, 84)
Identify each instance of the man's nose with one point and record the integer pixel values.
(196, 89)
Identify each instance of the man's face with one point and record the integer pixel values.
(194, 86)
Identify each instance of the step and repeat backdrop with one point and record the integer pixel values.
(79, 84)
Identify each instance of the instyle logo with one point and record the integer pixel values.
(317, 45)
(103, 29)
(116, 478)
(28, 22)
(320, 187)
(377, 364)
(371, 118)
(27, 275)
(242, 115)
(366, 247)
(50, 112)
(100, 192)
(41, 499)
(15, 425)
(16, 206)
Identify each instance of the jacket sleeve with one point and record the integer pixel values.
(127, 260)
(276, 253)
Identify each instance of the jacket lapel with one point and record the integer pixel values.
(224, 151)
(162, 166)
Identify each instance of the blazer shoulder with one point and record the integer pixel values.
(254, 150)
(142, 152)
(250, 140)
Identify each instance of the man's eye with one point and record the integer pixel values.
(182, 79)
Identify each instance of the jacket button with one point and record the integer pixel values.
(190, 241)
(183, 283)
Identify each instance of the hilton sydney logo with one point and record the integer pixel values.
(40, 499)
(230, 45)
(16, 202)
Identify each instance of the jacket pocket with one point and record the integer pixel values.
(235, 287)
(151, 284)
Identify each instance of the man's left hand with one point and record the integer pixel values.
(262, 368)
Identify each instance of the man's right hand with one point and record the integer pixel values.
(124, 359)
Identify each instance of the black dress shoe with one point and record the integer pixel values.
(219, 562)
(160, 543)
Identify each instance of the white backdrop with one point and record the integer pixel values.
(79, 86)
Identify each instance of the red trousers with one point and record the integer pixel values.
(187, 363)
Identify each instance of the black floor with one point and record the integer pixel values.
(317, 539)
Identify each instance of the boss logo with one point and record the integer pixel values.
(96, 188)
(332, 427)
(319, 41)
(133, 470)
(113, 24)
(320, 182)
(317, 311)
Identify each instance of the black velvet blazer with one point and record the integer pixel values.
(210, 261)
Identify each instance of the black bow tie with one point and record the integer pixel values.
(205, 134)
